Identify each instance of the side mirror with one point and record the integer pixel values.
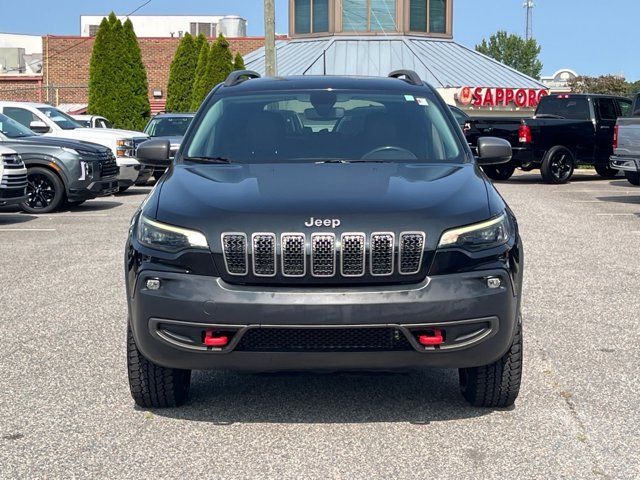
(493, 151)
(38, 126)
(154, 152)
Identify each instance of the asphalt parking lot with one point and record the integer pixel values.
(65, 409)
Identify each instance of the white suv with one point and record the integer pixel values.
(48, 120)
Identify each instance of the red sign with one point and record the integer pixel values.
(500, 97)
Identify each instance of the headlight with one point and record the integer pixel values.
(11, 159)
(161, 236)
(481, 236)
(125, 148)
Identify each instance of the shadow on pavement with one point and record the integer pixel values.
(133, 191)
(13, 216)
(635, 200)
(92, 206)
(419, 397)
(534, 177)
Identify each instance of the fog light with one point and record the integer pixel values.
(494, 282)
(153, 284)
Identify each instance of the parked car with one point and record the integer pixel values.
(626, 144)
(172, 127)
(92, 121)
(59, 170)
(288, 235)
(13, 177)
(460, 115)
(49, 121)
(567, 130)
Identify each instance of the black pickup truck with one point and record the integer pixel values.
(567, 130)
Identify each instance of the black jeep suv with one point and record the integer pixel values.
(324, 223)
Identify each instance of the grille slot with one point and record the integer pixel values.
(323, 254)
(234, 246)
(293, 254)
(352, 254)
(381, 253)
(264, 254)
(411, 250)
(363, 339)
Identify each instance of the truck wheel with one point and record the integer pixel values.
(605, 171)
(633, 177)
(499, 172)
(557, 166)
(151, 385)
(495, 385)
(45, 191)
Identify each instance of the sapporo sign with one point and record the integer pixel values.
(500, 97)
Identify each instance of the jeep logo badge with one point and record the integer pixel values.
(319, 222)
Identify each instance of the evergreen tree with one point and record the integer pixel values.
(200, 90)
(220, 61)
(136, 87)
(238, 62)
(181, 75)
(104, 76)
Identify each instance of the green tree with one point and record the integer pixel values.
(605, 84)
(136, 92)
(104, 76)
(181, 75)
(514, 51)
(200, 84)
(238, 62)
(220, 61)
(633, 88)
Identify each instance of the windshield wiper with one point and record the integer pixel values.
(350, 161)
(207, 159)
(550, 115)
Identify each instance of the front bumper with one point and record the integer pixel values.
(129, 171)
(12, 196)
(484, 318)
(627, 164)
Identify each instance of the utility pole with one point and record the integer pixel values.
(528, 4)
(270, 38)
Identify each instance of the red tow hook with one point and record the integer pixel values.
(429, 340)
(211, 340)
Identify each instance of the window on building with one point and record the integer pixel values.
(369, 15)
(311, 16)
(428, 16)
(207, 29)
(93, 30)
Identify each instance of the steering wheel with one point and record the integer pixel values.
(389, 152)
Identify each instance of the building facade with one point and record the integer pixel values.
(375, 37)
(168, 26)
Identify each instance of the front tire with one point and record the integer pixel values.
(495, 385)
(605, 171)
(151, 385)
(499, 172)
(633, 178)
(45, 191)
(557, 166)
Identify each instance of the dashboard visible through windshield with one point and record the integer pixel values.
(325, 125)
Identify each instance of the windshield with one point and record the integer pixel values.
(168, 126)
(83, 123)
(12, 129)
(325, 125)
(61, 119)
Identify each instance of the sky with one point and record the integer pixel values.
(591, 37)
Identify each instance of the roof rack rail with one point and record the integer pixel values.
(238, 76)
(409, 76)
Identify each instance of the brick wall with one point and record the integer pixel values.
(66, 63)
(21, 88)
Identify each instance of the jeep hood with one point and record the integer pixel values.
(365, 197)
(59, 142)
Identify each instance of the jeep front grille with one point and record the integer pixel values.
(322, 255)
(264, 254)
(382, 254)
(235, 253)
(411, 250)
(293, 254)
